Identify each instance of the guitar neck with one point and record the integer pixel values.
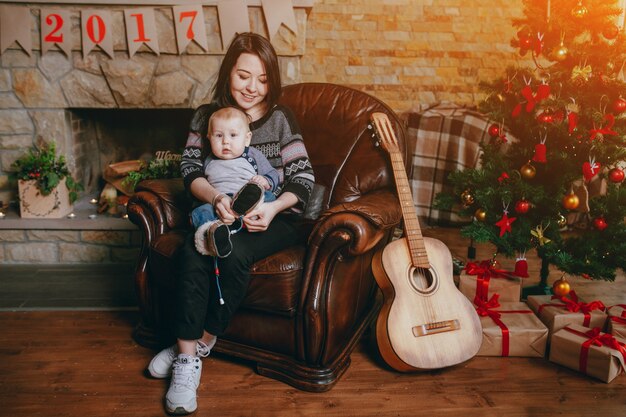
(413, 232)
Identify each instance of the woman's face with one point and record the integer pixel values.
(249, 86)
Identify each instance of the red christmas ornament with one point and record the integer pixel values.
(521, 267)
(505, 223)
(610, 31)
(540, 153)
(525, 43)
(494, 130)
(619, 105)
(522, 206)
(572, 121)
(545, 117)
(616, 175)
(590, 169)
(600, 224)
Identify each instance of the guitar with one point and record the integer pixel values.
(425, 321)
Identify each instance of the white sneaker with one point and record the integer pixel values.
(181, 396)
(161, 364)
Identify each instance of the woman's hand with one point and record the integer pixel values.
(223, 210)
(260, 218)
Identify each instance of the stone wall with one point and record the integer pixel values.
(68, 246)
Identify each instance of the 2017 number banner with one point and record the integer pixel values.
(96, 26)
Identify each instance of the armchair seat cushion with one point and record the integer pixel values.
(275, 284)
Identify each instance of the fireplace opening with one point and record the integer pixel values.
(106, 136)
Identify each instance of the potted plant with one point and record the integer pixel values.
(45, 185)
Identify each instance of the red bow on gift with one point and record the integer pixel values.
(484, 271)
(573, 305)
(605, 130)
(484, 309)
(597, 338)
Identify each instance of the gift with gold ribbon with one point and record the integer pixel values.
(510, 329)
(617, 320)
(589, 351)
(484, 279)
(557, 312)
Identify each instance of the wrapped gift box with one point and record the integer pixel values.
(484, 281)
(589, 351)
(558, 312)
(617, 320)
(510, 329)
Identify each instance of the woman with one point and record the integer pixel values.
(249, 78)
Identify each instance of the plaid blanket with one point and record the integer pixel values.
(443, 138)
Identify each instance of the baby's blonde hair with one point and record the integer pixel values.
(229, 113)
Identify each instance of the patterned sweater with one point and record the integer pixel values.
(277, 135)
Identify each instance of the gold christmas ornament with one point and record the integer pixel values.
(528, 171)
(561, 287)
(571, 201)
(561, 221)
(480, 215)
(579, 11)
(467, 198)
(560, 53)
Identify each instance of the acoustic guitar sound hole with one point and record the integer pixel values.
(423, 280)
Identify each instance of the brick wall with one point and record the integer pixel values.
(410, 52)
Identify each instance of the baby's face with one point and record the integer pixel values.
(229, 138)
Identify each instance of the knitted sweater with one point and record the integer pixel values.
(278, 137)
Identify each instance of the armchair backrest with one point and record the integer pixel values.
(334, 120)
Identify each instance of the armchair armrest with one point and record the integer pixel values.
(367, 218)
(159, 205)
(338, 283)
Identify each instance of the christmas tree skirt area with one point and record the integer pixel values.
(609, 292)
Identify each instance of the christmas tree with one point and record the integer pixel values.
(552, 170)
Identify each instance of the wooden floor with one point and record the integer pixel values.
(84, 363)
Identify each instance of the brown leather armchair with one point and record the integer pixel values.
(306, 306)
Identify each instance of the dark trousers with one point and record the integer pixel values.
(197, 300)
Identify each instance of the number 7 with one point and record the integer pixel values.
(192, 14)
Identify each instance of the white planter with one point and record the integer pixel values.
(34, 205)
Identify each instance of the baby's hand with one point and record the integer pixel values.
(262, 181)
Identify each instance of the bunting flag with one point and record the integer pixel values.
(141, 29)
(278, 12)
(96, 26)
(189, 26)
(96, 31)
(55, 30)
(230, 14)
(15, 27)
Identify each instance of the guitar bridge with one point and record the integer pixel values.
(436, 327)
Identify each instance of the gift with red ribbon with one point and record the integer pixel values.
(510, 329)
(557, 312)
(484, 279)
(617, 320)
(589, 351)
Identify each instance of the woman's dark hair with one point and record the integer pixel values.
(254, 44)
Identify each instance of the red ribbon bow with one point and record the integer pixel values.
(597, 338)
(543, 92)
(484, 271)
(572, 304)
(605, 130)
(485, 308)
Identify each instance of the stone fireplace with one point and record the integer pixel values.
(101, 110)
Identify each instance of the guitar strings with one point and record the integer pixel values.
(412, 223)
